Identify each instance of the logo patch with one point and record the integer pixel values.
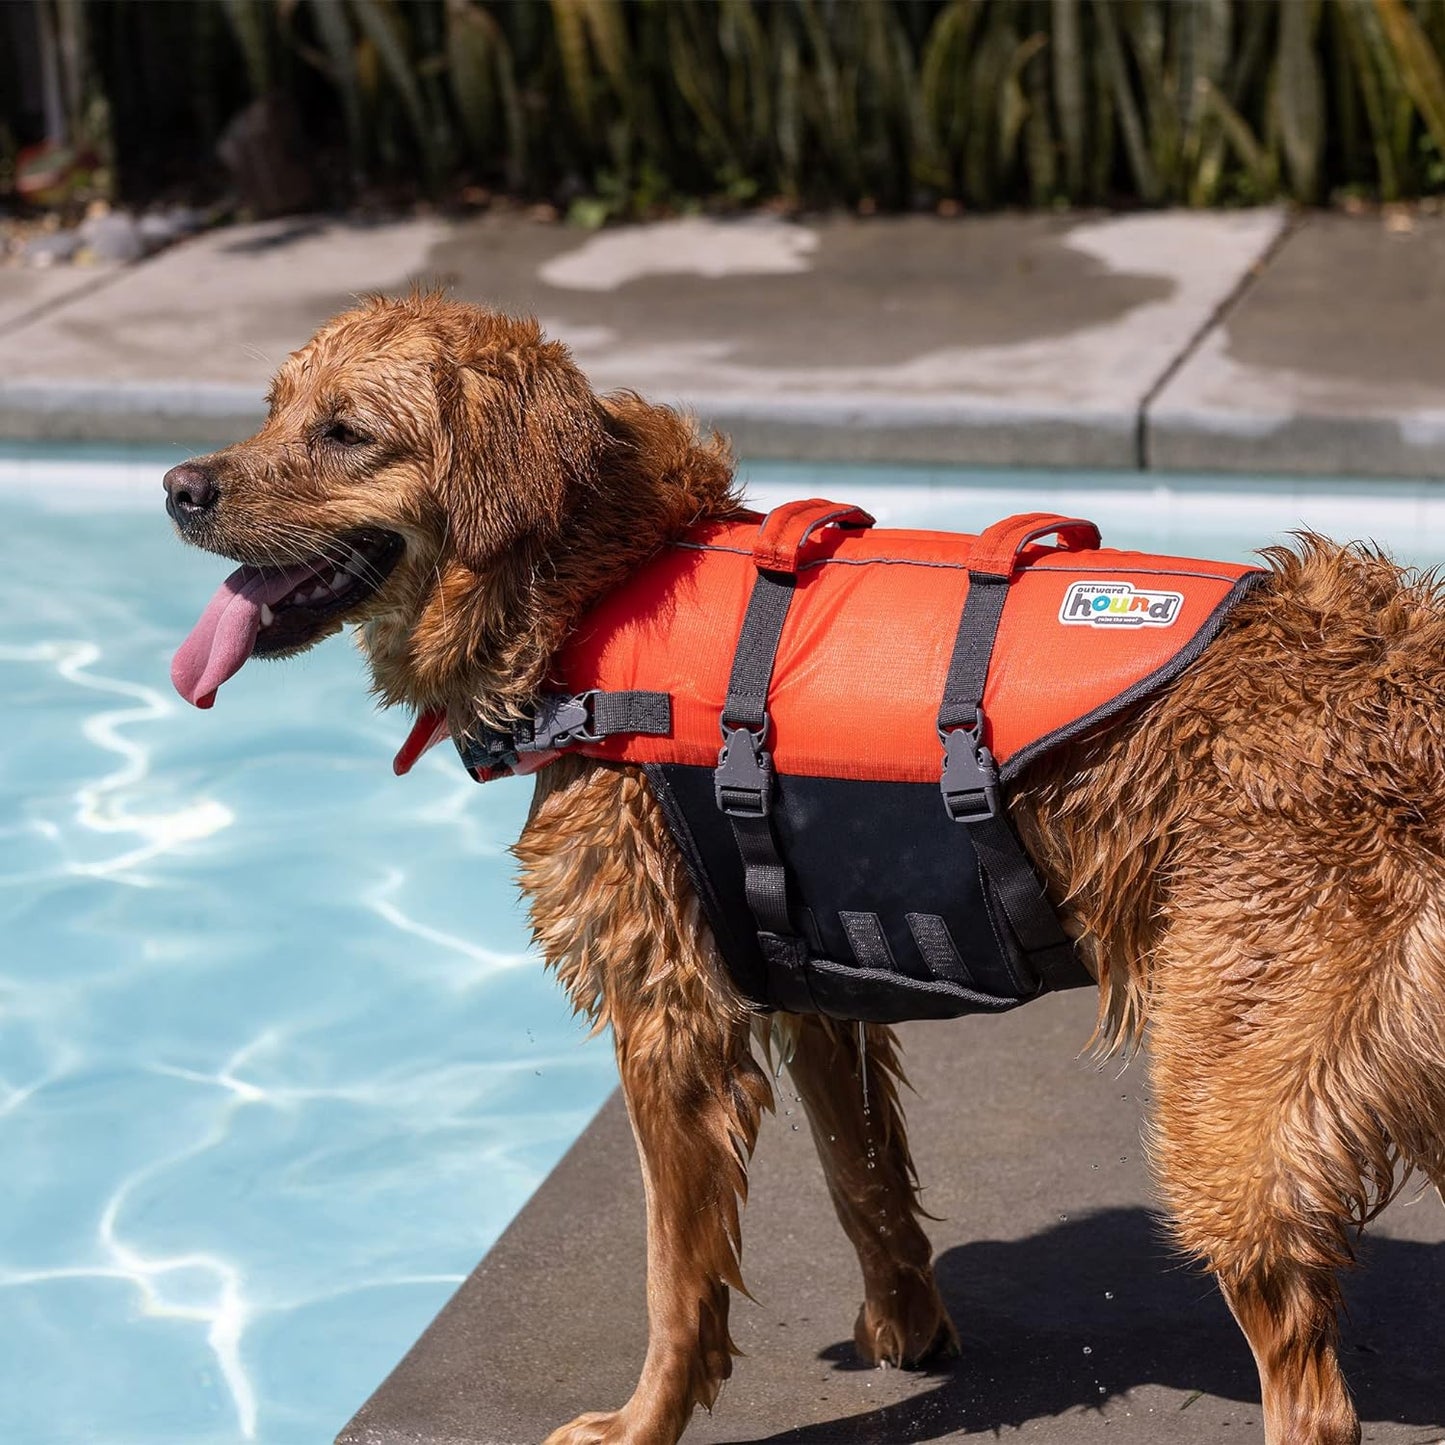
(1119, 604)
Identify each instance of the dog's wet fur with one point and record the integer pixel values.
(1253, 862)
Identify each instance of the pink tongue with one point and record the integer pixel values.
(222, 640)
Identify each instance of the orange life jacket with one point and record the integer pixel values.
(827, 712)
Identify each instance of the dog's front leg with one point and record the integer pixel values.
(850, 1095)
(615, 915)
(695, 1097)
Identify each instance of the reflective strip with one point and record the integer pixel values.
(935, 943)
(865, 937)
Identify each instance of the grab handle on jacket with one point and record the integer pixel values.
(996, 553)
(786, 530)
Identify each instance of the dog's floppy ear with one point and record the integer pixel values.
(523, 431)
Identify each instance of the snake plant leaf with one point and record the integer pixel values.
(696, 86)
(1145, 31)
(1299, 95)
(942, 82)
(1040, 147)
(1420, 69)
(1256, 159)
(570, 31)
(1112, 54)
(383, 27)
(1013, 103)
(336, 39)
(607, 31)
(742, 42)
(471, 65)
(790, 149)
(248, 23)
(837, 130)
(996, 47)
(1071, 69)
(1355, 19)
(1202, 146)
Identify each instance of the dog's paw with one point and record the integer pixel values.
(910, 1330)
(603, 1427)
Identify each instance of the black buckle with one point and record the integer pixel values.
(743, 782)
(560, 720)
(970, 777)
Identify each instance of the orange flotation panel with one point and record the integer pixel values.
(865, 650)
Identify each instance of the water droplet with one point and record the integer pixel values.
(795, 1127)
(1064, 1218)
(1102, 1390)
(1088, 1349)
(1108, 1294)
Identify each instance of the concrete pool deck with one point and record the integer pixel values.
(1077, 1321)
(1239, 341)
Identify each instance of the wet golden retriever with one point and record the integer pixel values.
(1253, 861)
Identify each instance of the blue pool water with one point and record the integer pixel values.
(276, 1064)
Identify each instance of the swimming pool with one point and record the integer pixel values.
(276, 1065)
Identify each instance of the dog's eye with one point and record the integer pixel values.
(344, 435)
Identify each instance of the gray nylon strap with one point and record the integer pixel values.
(648, 713)
(765, 880)
(972, 649)
(1006, 866)
(744, 779)
(747, 699)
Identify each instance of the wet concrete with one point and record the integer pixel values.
(1078, 1320)
(992, 340)
(182, 347)
(1332, 362)
(26, 294)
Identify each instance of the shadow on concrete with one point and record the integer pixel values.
(1099, 1305)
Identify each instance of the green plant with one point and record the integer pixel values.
(624, 107)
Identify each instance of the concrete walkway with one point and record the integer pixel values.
(1078, 1323)
(1238, 340)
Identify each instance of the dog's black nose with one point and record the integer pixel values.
(189, 492)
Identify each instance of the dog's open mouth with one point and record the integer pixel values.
(269, 611)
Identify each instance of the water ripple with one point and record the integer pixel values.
(103, 806)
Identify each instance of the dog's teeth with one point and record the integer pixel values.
(356, 564)
(267, 616)
(339, 580)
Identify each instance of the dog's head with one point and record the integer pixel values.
(417, 455)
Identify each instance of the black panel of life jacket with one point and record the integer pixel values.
(886, 892)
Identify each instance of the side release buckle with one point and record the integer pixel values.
(970, 776)
(560, 720)
(743, 781)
